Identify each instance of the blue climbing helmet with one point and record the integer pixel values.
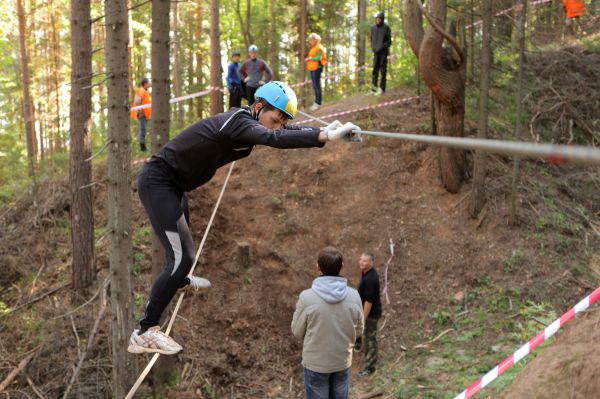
(279, 95)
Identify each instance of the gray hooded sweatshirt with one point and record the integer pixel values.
(329, 319)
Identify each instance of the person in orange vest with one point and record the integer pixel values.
(142, 115)
(574, 10)
(316, 60)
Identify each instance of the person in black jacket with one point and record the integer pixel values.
(189, 161)
(381, 40)
(370, 296)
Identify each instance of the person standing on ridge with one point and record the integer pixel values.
(316, 60)
(370, 296)
(575, 9)
(381, 40)
(142, 115)
(251, 73)
(234, 84)
(189, 161)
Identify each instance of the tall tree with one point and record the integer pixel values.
(119, 195)
(522, 10)
(216, 71)
(443, 70)
(478, 200)
(361, 40)
(302, 37)
(82, 214)
(27, 103)
(177, 68)
(199, 56)
(56, 68)
(274, 40)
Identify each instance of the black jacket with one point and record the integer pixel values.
(381, 38)
(194, 156)
(368, 289)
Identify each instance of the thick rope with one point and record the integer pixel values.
(144, 373)
(551, 152)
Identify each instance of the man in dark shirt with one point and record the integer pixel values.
(370, 296)
(381, 40)
(234, 84)
(191, 160)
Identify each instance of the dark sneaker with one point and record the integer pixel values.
(143, 147)
(365, 372)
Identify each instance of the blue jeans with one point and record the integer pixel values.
(142, 129)
(326, 385)
(315, 76)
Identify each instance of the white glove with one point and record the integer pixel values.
(333, 125)
(261, 82)
(344, 132)
(246, 79)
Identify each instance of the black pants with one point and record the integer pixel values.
(235, 96)
(380, 64)
(167, 208)
(250, 94)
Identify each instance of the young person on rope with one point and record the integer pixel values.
(189, 161)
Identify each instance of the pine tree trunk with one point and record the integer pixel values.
(522, 19)
(302, 55)
(119, 196)
(133, 77)
(361, 41)
(82, 215)
(216, 71)
(479, 171)
(199, 57)
(27, 103)
(274, 39)
(56, 59)
(177, 69)
(161, 110)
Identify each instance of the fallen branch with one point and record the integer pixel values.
(90, 342)
(370, 395)
(11, 376)
(34, 300)
(35, 389)
(100, 289)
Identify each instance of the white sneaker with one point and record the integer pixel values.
(314, 107)
(152, 341)
(379, 92)
(199, 283)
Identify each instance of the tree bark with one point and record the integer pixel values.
(479, 171)
(177, 69)
(274, 39)
(119, 195)
(522, 10)
(82, 214)
(445, 76)
(27, 103)
(216, 71)
(361, 40)
(302, 55)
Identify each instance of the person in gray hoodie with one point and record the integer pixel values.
(252, 71)
(329, 319)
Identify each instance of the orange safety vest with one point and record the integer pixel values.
(141, 98)
(575, 8)
(313, 65)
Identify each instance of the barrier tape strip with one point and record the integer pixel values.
(155, 357)
(513, 8)
(354, 110)
(529, 346)
(385, 274)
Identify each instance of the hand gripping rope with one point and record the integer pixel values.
(550, 152)
(144, 373)
(529, 346)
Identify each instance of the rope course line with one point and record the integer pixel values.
(155, 357)
(529, 346)
(553, 153)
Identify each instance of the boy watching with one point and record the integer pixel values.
(371, 301)
(329, 319)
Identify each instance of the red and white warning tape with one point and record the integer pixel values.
(530, 346)
(351, 111)
(330, 77)
(183, 98)
(504, 12)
